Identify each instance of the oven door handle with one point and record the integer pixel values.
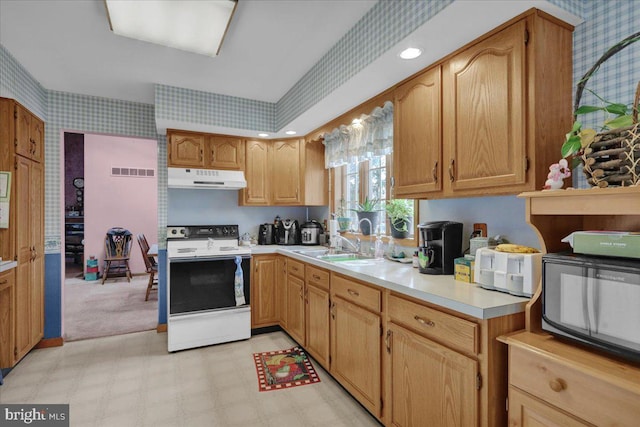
(209, 258)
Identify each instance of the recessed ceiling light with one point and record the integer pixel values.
(410, 53)
(290, 132)
(264, 135)
(196, 26)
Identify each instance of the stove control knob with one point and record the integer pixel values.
(225, 231)
(174, 231)
(183, 232)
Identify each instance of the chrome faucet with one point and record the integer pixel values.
(355, 246)
(370, 225)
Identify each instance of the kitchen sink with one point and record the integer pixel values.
(343, 257)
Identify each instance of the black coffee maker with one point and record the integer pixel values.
(441, 243)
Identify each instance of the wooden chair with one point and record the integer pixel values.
(150, 264)
(117, 247)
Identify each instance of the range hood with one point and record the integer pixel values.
(206, 178)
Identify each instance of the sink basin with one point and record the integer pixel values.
(344, 257)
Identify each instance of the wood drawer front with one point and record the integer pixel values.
(445, 328)
(574, 390)
(317, 277)
(295, 268)
(357, 293)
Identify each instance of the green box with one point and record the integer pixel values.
(464, 268)
(91, 276)
(607, 243)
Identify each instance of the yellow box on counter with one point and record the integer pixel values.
(464, 267)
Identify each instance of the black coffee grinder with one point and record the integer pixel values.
(441, 243)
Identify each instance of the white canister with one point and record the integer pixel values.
(477, 243)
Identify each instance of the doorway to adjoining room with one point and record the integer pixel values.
(109, 182)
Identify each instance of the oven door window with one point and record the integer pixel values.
(205, 284)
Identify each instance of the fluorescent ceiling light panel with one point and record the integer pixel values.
(196, 26)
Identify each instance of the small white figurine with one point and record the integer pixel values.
(557, 173)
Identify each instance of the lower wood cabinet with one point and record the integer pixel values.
(408, 362)
(281, 289)
(552, 382)
(428, 381)
(295, 308)
(355, 352)
(527, 411)
(7, 318)
(317, 314)
(264, 306)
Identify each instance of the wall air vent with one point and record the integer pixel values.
(133, 172)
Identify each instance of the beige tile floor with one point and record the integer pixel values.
(131, 380)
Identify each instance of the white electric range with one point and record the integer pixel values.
(202, 304)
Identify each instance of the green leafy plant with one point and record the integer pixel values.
(616, 115)
(400, 211)
(369, 205)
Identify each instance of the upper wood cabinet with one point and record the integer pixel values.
(225, 152)
(418, 135)
(497, 121)
(29, 134)
(485, 110)
(257, 175)
(201, 150)
(186, 149)
(288, 173)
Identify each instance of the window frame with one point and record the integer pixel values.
(337, 187)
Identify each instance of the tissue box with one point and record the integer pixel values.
(607, 243)
(463, 268)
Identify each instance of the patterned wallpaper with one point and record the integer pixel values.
(606, 23)
(19, 84)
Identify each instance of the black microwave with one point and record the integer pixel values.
(594, 300)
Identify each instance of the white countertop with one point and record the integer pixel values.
(445, 291)
(7, 265)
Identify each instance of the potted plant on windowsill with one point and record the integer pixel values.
(400, 212)
(369, 209)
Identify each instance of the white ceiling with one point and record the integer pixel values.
(67, 46)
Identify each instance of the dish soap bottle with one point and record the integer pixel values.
(238, 283)
(378, 247)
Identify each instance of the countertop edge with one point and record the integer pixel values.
(7, 265)
(517, 306)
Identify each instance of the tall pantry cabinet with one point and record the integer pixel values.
(22, 154)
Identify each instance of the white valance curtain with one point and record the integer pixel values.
(357, 142)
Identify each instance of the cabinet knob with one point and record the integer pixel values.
(557, 385)
(387, 340)
(4, 282)
(315, 276)
(353, 293)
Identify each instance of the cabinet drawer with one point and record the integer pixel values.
(317, 276)
(295, 268)
(578, 391)
(355, 292)
(445, 328)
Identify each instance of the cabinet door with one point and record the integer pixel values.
(226, 153)
(527, 411)
(418, 141)
(7, 312)
(484, 114)
(317, 324)
(355, 352)
(256, 174)
(25, 253)
(295, 308)
(263, 292)
(428, 381)
(286, 173)
(281, 289)
(24, 146)
(186, 149)
(36, 135)
(36, 216)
